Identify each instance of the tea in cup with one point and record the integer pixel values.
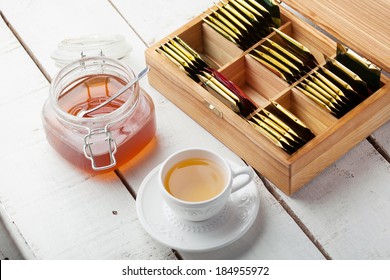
(197, 183)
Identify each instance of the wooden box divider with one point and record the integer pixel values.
(334, 137)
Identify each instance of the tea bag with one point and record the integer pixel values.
(183, 56)
(287, 73)
(258, 10)
(271, 7)
(271, 67)
(243, 22)
(276, 137)
(291, 121)
(298, 49)
(330, 92)
(347, 75)
(220, 92)
(281, 127)
(289, 55)
(368, 71)
(234, 97)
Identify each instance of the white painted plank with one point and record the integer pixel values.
(153, 20)
(314, 204)
(58, 211)
(275, 234)
(175, 130)
(43, 24)
(8, 249)
(347, 206)
(382, 137)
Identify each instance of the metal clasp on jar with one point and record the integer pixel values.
(112, 148)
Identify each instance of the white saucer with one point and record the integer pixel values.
(163, 225)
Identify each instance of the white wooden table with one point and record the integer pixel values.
(50, 210)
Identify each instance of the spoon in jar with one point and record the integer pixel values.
(122, 90)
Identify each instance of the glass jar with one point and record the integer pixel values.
(108, 137)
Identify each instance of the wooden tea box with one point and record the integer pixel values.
(357, 24)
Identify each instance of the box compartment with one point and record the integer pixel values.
(334, 137)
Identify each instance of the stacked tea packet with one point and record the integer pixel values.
(290, 61)
(282, 127)
(190, 62)
(342, 83)
(244, 22)
(337, 86)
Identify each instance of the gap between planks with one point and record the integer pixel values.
(273, 192)
(296, 219)
(25, 47)
(127, 22)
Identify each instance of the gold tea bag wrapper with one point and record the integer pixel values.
(280, 122)
(274, 62)
(247, 12)
(315, 99)
(363, 61)
(344, 69)
(233, 19)
(268, 135)
(250, 8)
(179, 53)
(227, 23)
(323, 86)
(275, 138)
(221, 86)
(355, 81)
(257, 5)
(220, 94)
(174, 61)
(275, 126)
(293, 42)
(175, 56)
(338, 79)
(286, 52)
(321, 91)
(182, 49)
(220, 30)
(237, 14)
(272, 131)
(365, 69)
(273, 10)
(319, 96)
(269, 66)
(281, 58)
(192, 51)
(330, 85)
(288, 114)
(223, 27)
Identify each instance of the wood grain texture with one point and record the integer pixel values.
(61, 212)
(333, 137)
(346, 207)
(153, 20)
(362, 25)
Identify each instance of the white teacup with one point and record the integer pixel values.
(208, 182)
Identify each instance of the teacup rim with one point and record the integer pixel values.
(194, 203)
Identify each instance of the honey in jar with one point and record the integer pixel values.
(109, 136)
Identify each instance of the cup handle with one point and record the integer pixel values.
(245, 172)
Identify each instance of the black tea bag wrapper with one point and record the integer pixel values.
(348, 76)
(366, 70)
